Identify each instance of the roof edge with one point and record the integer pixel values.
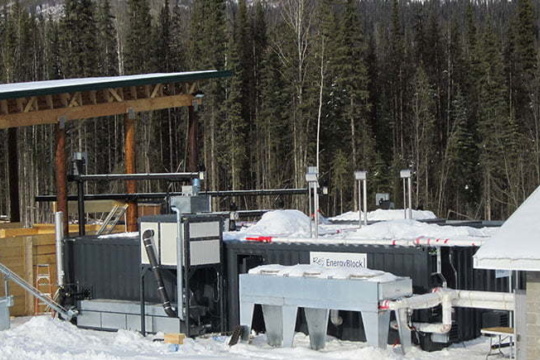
(166, 78)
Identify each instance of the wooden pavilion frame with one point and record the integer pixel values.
(59, 101)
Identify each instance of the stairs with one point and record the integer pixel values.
(112, 219)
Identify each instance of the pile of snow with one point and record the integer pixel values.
(411, 229)
(382, 215)
(287, 223)
(320, 272)
(44, 338)
(294, 226)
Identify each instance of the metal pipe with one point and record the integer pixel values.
(410, 196)
(404, 198)
(364, 182)
(316, 209)
(162, 195)
(147, 236)
(179, 263)
(310, 210)
(80, 205)
(136, 177)
(360, 203)
(59, 227)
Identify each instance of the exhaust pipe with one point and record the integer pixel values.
(148, 235)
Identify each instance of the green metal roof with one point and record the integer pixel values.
(51, 87)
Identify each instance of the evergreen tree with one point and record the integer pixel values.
(352, 84)
(52, 51)
(138, 56)
(78, 39)
(107, 41)
(424, 137)
(163, 40)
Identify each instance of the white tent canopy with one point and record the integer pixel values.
(516, 246)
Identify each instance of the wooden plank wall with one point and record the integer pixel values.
(21, 254)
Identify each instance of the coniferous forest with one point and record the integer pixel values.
(450, 89)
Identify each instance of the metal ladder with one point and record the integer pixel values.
(43, 284)
(112, 219)
(10, 275)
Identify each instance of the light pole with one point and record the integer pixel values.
(406, 176)
(312, 177)
(361, 178)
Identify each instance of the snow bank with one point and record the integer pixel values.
(381, 215)
(289, 223)
(44, 338)
(411, 229)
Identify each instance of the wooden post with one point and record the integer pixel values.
(193, 136)
(61, 173)
(13, 170)
(130, 162)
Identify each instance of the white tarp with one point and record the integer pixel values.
(516, 246)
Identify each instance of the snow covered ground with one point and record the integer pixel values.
(44, 338)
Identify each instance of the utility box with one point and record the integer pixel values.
(191, 204)
(200, 234)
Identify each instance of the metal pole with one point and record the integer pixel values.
(193, 153)
(179, 264)
(359, 203)
(316, 209)
(59, 227)
(404, 198)
(310, 210)
(143, 311)
(365, 201)
(80, 202)
(410, 197)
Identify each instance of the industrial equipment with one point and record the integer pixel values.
(184, 253)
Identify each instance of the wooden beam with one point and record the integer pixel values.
(31, 104)
(76, 100)
(133, 91)
(4, 107)
(130, 165)
(107, 95)
(157, 91)
(64, 98)
(92, 95)
(49, 100)
(20, 104)
(50, 116)
(61, 172)
(115, 95)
